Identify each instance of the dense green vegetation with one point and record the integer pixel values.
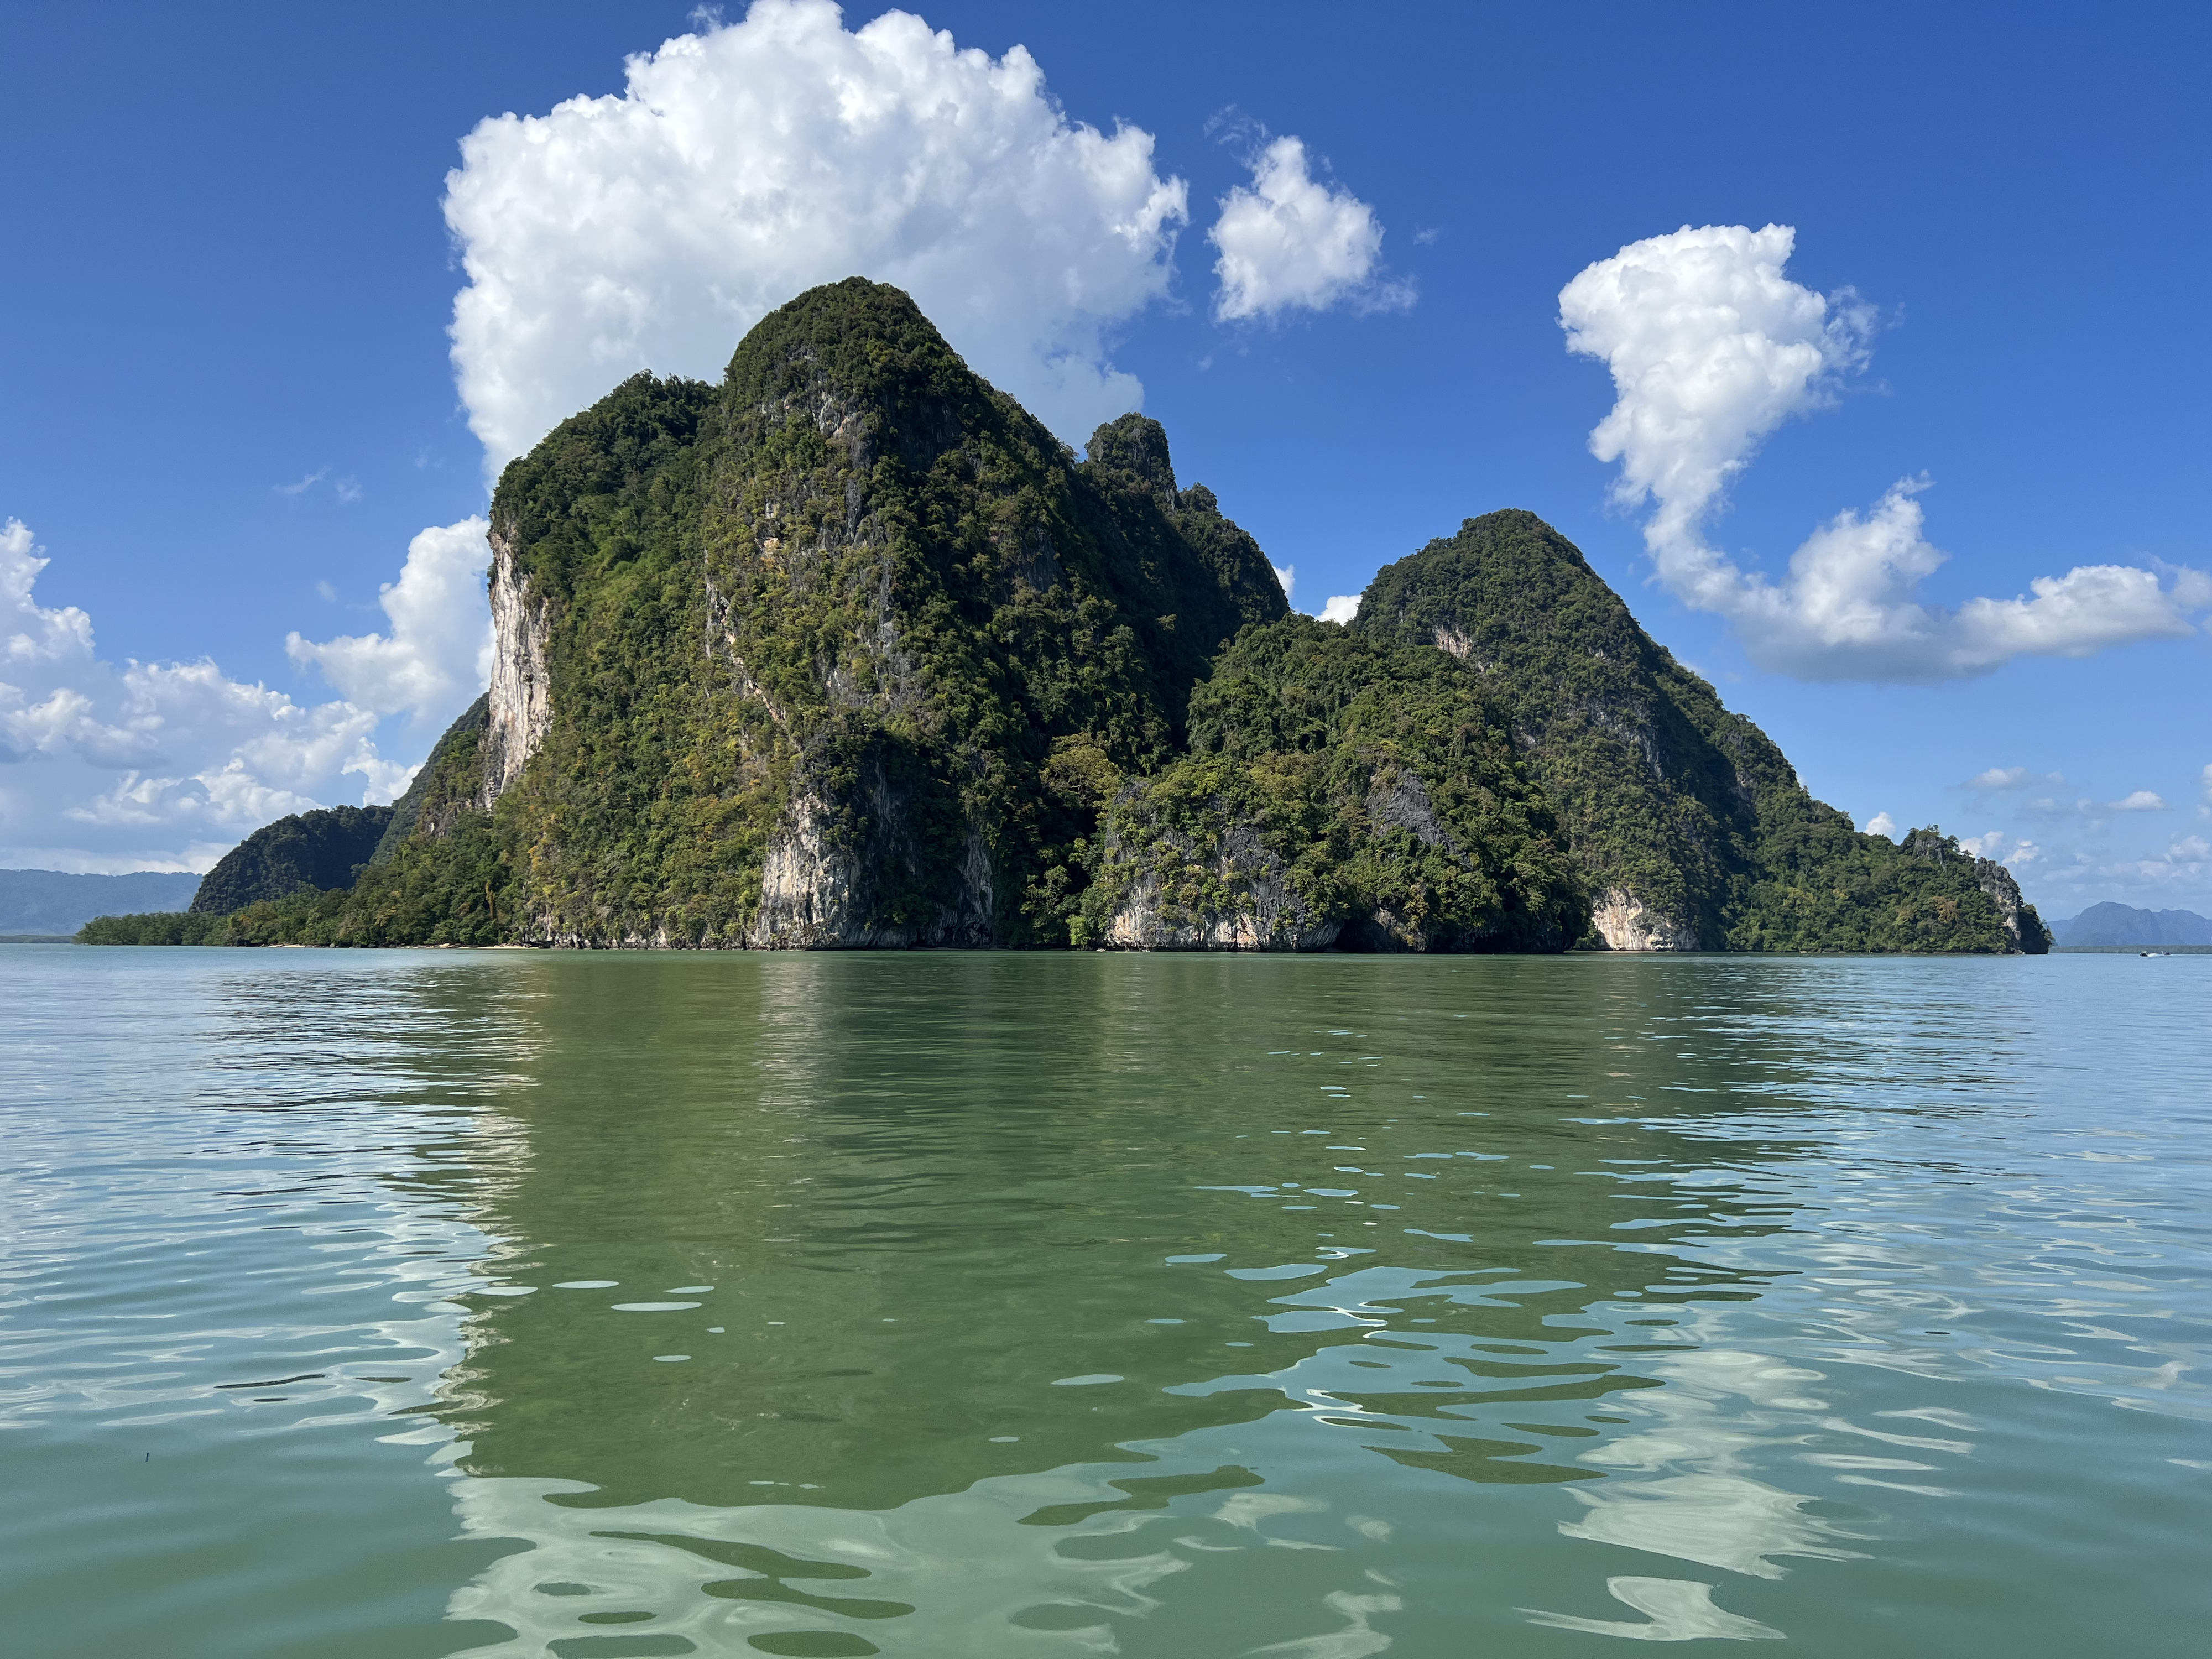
(435, 889)
(851, 650)
(324, 848)
(448, 786)
(1378, 779)
(156, 928)
(1664, 794)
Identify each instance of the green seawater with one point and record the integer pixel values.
(505, 1304)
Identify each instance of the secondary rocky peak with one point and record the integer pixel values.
(1688, 825)
(1136, 446)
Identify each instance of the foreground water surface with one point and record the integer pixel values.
(508, 1303)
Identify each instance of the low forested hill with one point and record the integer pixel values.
(322, 849)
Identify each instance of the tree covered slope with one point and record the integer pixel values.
(306, 852)
(1687, 822)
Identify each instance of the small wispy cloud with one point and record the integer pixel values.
(304, 485)
(2013, 851)
(2004, 780)
(349, 489)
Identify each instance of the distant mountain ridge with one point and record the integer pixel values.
(56, 902)
(2115, 924)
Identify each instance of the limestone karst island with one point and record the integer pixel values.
(851, 651)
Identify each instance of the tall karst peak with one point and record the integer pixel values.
(790, 661)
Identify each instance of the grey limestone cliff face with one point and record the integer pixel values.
(1625, 922)
(2027, 928)
(819, 890)
(1234, 896)
(519, 705)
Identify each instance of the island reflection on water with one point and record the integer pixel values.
(945, 1303)
(988, 1294)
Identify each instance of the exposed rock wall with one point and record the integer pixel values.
(521, 692)
(1625, 922)
(820, 888)
(809, 886)
(1236, 896)
(2019, 918)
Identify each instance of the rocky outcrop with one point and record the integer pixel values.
(2023, 927)
(520, 705)
(1232, 895)
(2018, 916)
(1625, 922)
(1688, 825)
(822, 886)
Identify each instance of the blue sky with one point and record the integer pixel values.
(229, 402)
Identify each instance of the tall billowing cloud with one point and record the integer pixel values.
(151, 765)
(438, 654)
(742, 164)
(1289, 243)
(1711, 348)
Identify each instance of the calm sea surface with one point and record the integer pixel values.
(504, 1304)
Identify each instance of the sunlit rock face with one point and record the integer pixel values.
(1236, 896)
(1626, 923)
(520, 706)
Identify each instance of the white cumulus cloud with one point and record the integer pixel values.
(1337, 607)
(1289, 243)
(743, 164)
(2140, 800)
(438, 654)
(1711, 348)
(151, 765)
(1882, 825)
